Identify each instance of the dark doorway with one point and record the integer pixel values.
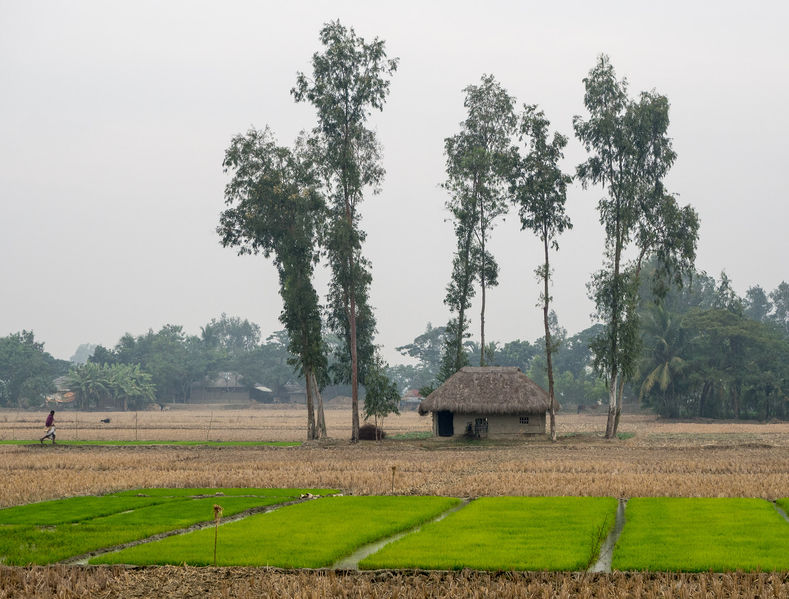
(445, 425)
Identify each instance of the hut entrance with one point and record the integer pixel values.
(445, 425)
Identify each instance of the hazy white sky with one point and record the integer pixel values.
(114, 117)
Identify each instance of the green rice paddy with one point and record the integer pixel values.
(492, 533)
(507, 533)
(699, 534)
(308, 535)
(51, 531)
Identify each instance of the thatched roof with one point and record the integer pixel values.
(488, 390)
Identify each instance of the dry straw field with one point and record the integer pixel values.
(246, 583)
(661, 459)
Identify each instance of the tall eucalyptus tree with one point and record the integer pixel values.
(477, 161)
(276, 208)
(350, 78)
(539, 190)
(631, 154)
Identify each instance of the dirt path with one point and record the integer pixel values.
(604, 560)
(780, 511)
(352, 561)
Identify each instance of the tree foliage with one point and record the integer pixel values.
(125, 385)
(477, 162)
(350, 79)
(382, 397)
(26, 370)
(706, 357)
(630, 154)
(539, 189)
(275, 207)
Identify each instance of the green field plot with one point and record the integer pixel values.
(176, 443)
(507, 533)
(699, 534)
(73, 509)
(308, 535)
(41, 533)
(236, 491)
(784, 504)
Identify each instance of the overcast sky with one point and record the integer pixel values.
(114, 118)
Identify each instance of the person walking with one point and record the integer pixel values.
(50, 424)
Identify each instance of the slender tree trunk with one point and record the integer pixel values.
(619, 396)
(548, 349)
(310, 410)
(482, 326)
(319, 406)
(612, 386)
(354, 361)
(610, 426)
(482, 287)
(464, 296)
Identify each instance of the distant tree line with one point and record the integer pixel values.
(158, 366)
(27, 372)
(709, 353)
(704, 352)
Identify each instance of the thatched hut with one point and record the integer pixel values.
(495, 402)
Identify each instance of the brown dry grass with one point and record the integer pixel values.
(277, 423)
(747, 461)
(178, 424)
(243, 583)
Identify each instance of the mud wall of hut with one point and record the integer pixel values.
(499, 426)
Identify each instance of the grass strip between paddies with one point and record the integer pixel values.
(309, 535)
(115, 443)
(699, 534)
(507, 533)
(221, 491)
(22, 544)
(784, 505)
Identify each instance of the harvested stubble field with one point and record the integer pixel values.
(689, 459)
(245, 583)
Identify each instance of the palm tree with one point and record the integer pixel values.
(663, 333)
(89, 382)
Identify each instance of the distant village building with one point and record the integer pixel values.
(492, 402)
(411, 400)
(228, 388)
(295, 393)
(63, 396)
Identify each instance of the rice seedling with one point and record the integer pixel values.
(506, 533)
(308, 535)
(699, 534)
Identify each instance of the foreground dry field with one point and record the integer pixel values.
(671, 459)
(245, 583)
(662, 458)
